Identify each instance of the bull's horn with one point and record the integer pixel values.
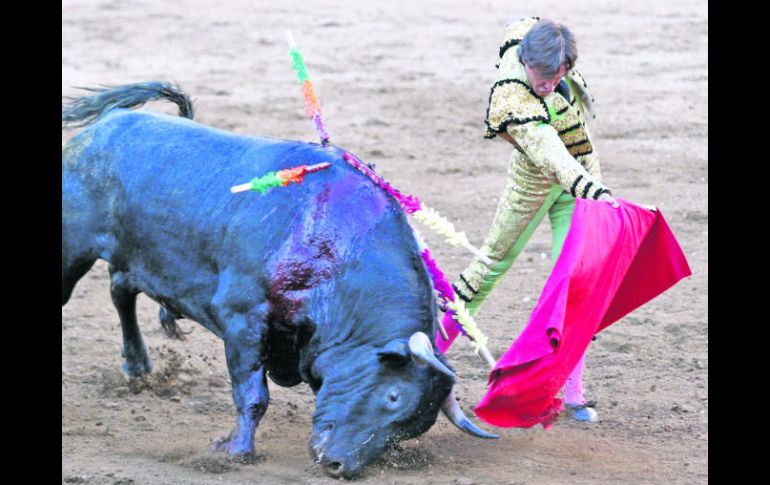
(451, 410)
(422, 353)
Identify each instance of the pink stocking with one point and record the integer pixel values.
(573, 388)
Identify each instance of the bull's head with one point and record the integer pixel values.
(377, 397)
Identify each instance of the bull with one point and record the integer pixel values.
(320, 283)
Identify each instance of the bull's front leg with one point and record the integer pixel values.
(244, 348)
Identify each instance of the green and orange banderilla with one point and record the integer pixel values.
(281, 178)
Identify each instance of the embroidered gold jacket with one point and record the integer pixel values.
(551, 131)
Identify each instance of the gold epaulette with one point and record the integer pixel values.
(516, 31)
(577, 77)
(582, 90)
(512, 101)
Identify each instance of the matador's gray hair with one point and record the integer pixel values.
(547, 46)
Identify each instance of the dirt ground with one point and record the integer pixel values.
(404, 84)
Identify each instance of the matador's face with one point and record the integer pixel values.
(543, 85)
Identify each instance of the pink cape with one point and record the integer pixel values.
(612, 262)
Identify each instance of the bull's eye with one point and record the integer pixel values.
(393, 396)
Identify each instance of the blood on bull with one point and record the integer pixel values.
(320, 282)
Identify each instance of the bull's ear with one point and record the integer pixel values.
(395, 352)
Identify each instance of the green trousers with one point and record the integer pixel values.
(559, 206)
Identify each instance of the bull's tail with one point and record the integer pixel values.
(82, 111)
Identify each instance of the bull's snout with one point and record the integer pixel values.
(335, 467)
(332, 466)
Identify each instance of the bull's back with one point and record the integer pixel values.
(154, 173)
(147, 158)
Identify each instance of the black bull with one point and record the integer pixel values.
(320, 282)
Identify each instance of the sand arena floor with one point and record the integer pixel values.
(404, 85)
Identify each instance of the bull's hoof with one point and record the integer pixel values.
(243, 458)
(236, 452)
(137, 368)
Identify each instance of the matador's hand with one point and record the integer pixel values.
(606, 197)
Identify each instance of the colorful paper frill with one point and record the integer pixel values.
(431, 218)
(312, 105)
(468, 324)
(284, 177)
